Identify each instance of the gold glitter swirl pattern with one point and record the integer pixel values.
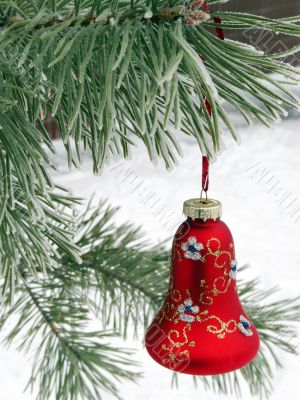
(222, 328)
(169, 310)
(218, 253)
(176, 252)
(175, 339)
(177, 334)
(220, 284)
(172, 360)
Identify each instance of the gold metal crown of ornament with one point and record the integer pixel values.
(203, 209)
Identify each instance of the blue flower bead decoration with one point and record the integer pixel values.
(192, 249)
(244, 326)
(233, 269)
(187, 307)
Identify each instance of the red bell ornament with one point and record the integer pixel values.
(202, 328)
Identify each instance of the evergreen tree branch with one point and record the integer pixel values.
(114, 73)
(34, 228)
(34, 221)
(154, 64)
(126, 275)
(71, 361)
(274, 320)
(124, 281)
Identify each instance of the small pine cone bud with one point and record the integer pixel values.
(196, 17)
(14, 19)
(167, 14)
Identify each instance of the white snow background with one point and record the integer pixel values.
(259, 186)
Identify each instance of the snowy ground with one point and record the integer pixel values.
(259, 186)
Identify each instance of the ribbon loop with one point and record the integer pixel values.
(205, 160)
(205, 173)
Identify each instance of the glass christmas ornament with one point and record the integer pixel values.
(202, 328)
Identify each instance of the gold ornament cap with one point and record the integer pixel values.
(203, 209)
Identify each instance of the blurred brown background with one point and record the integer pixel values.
(271, 8)
(266, 41)
(268, 8)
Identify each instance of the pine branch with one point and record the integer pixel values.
(70, 362)
(124, 281)
(127, 276)
(34, 228)
(144, 13)
(114, 73)
(139, 78)
(33, 224)
(274, 320)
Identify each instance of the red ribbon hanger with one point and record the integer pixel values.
(205, 160)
